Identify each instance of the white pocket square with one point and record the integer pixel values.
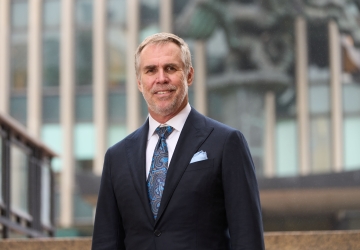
(199, 156)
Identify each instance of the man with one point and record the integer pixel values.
(182, 181)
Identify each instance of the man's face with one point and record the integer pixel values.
(162, 80)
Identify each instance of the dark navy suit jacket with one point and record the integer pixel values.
(210, 204)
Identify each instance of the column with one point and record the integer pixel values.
(302, 95)
(166, 15)
(67, 106)
(34, 103)
(200, 91)
(5, 25)
(336, 97)
(270, 120)
(132, 93)
(100, 83)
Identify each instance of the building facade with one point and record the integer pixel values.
(285, 74)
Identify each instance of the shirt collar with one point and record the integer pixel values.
(177, 122)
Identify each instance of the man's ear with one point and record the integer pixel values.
(140, 87)
(190, 76)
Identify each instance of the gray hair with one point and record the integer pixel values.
(163, 38)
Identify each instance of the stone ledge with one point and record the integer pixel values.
(314, 240)
(46, 244)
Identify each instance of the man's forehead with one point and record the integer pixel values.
(170, 55)
(160, 46)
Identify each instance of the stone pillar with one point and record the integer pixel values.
(5, 25)
(302, 95)
(270, 123)
(132, 93)
(336, 97)
(34, 88)
(200, 90)
(67, 104)
(100, 83)
(166, 16)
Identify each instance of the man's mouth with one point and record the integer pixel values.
(163, 92)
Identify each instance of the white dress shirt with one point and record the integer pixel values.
(177, 122)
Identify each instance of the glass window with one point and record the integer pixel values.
(116, 10)
(51, 43)
(51, 13)
(18, 108)
(318, 43)
(178, 7)
(84, 12)
(215, 110)
(19, 42)
(51, 109)
(116, 133)
(116, 42)
(84, 42)
(19, 179)
(116, 52)
(83, 211)
(320, 144)
(351, 109)
(286, 148)
(84, 57)
(51, 135)
(351, 100)
(149, 18)
(242, 108)
(51, 58)
(216, 57)
(45, 194)
(84, 141)
(117, 107)
(352, 143)
(84, 107)
(320, 135)
(19, 52)
(319, 96)
(84, 165)
(19, 15)
(319, 99)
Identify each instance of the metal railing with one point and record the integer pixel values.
(26, 183)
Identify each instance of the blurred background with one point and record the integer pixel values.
(286, 73)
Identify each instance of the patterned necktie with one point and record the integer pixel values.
(158, 169)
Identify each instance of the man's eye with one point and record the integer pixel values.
(170, 69)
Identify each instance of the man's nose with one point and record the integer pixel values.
(162, 76)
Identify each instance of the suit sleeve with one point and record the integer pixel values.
(241, 193)
(108, 229)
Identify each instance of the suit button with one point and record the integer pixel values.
(157, 233)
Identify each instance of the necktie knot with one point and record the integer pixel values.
(164, 132)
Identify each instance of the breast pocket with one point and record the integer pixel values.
(200, 165)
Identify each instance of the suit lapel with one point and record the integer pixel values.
(191, 138)
(136, 153)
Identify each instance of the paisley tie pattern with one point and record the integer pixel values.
(158, 169)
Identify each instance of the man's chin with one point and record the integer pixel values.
(164, 110)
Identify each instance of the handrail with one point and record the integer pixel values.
(23, 133)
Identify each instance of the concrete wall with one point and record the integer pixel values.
(320, 240)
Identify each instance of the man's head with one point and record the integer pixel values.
(164, 72)
(163, 38)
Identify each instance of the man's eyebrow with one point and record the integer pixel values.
(175, 65)
(149, 67)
